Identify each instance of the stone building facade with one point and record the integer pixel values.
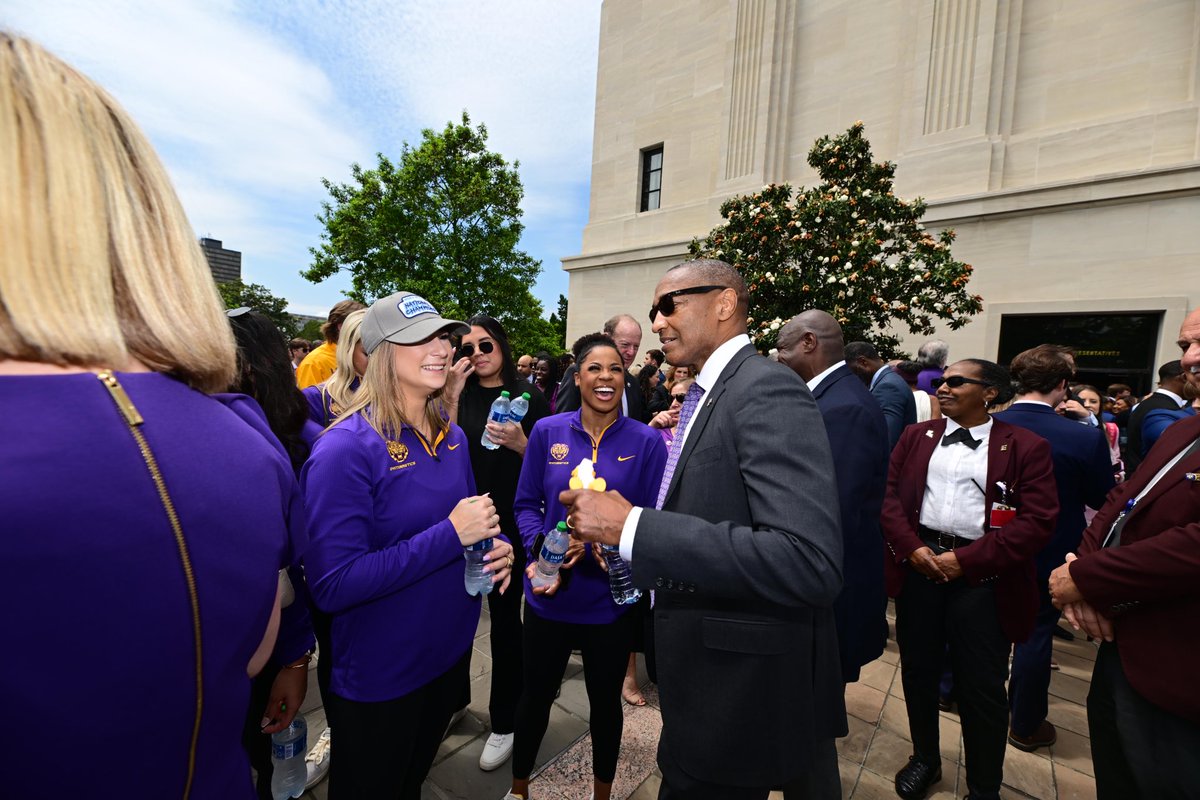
(1060, 139)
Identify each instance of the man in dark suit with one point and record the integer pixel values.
(1168, 395)
(888, 388)
(745, 558)
(1083, 473)
(626, 332)
(1136, 585)
(811, 345)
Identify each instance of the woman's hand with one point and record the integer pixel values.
(665, 420)
(924, 562)
(456, 379)
(475, 519)
(510, 435)
(574, 552)
(499, 563)
(549, 589)
(287, 695)
(948, 561)
(598, 557)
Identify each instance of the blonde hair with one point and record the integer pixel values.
(98, 264)
(379, 400)
(338, 386)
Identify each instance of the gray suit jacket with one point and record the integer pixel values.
(746, 561)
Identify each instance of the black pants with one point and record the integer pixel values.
(256, 743)
(605, 651)
(385, 749)
(1139, 751)
(928, 617)
(507, 645)
(679, 785)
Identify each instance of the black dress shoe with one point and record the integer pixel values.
(915, 778)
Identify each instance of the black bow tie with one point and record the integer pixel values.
(961, 435)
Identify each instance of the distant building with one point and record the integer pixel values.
(1060, 140)
(226, 265)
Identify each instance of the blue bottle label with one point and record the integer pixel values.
(482, 545)
(551, 557)
(297, 747)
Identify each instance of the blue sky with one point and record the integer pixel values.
(251, 104)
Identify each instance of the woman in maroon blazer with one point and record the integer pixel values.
(970, 501)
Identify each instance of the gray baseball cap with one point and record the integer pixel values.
(404, 318)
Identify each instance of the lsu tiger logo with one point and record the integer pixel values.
(559, 451)
(398, 451)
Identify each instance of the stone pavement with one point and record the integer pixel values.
(877, 746)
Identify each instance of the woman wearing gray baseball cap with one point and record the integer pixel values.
(391, 502)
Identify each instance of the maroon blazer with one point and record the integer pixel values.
(1149, 586)
(1019, 458)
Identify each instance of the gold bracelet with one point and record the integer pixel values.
(303, 664)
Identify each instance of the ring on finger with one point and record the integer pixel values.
(570, 524)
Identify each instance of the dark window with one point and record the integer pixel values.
(652, 160)
(1109, 347)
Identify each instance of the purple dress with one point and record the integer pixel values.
(100, 664)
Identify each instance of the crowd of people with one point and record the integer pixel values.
(241, 503)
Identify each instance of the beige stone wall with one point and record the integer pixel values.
(1054, 136)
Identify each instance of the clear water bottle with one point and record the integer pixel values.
(519, 408)
(288, 748)
(499, 413)
(475, 579)
(620, 582)
(554, 548)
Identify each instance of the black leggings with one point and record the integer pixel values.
(507, 643)
(385, 749)
(548, 646)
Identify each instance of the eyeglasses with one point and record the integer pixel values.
(679, 398)
(666, 303)
(955, 381)
(468, 350)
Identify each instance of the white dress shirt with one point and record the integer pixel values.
(816, 381)
(707, 379)
(954, 500)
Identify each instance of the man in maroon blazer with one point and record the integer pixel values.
(1136, 585)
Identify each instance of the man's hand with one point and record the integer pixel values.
(1083, 616)
(925, 562)
(948, 562)
(1063, 590)
(595, 516)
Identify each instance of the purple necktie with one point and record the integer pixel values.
(690, 401)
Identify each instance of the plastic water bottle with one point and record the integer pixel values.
(288, 748)
(620, 582)
(554, 548)
(475, 579)
(519, 408)
(499, 413)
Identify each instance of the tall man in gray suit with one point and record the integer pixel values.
(744, 554)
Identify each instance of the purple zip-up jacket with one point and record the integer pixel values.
(629, 456)
(384, 558)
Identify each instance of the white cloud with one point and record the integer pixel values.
(251, 104)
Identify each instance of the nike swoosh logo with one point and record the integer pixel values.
(625, 458)
(453, 446)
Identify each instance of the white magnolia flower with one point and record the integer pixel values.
(775, 325)
(866, 193)
(855, 243)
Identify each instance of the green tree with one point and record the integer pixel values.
(258, 297)
(443, 221)
(848, 246)
(558, 321)
(311, 330)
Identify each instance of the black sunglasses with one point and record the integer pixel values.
(666, 303)
(468, 350)
(679, 398)
(955, 381)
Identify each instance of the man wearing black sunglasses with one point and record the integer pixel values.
(744, 553)
(887, 387)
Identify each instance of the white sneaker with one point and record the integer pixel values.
(316, 763)
(511, 796)
(496, 750)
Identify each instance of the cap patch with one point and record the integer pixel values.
(414, 306)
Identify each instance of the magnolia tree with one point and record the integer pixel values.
(848, 246)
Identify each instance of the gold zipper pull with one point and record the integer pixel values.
(126, 406)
